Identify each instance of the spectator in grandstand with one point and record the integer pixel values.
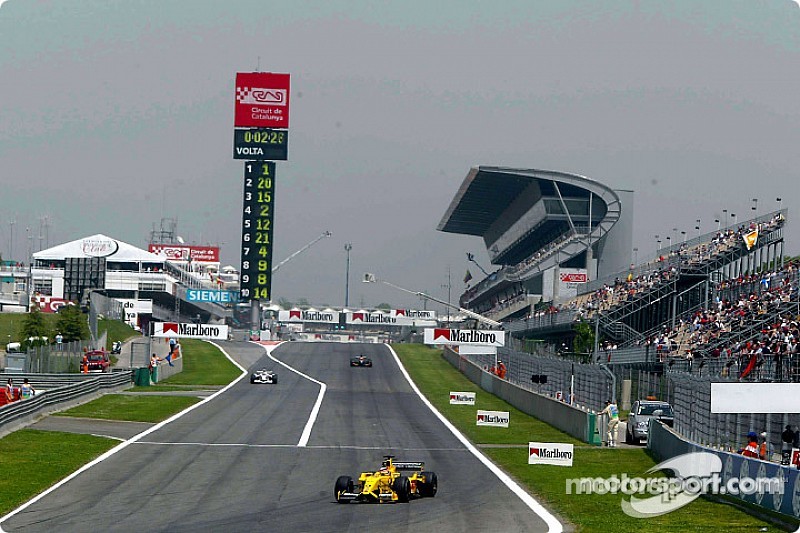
(751, 448)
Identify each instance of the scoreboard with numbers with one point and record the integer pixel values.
(258, 212)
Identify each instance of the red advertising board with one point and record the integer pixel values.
(180, 252)
(574, 277)
(262, 100)
(49, 304)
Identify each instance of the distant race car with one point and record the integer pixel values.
(361, 360)
(388, 484)
(263, 376)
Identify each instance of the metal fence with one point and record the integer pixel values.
(690, 397)
(592, 384)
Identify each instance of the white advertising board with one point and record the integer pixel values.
(469, 349)
(296, 315)
(755, 398)
(475, 337)
(190, 331)
(498, 419)
(462, 398)
(550, 453)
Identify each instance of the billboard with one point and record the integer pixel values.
(465, 336)
(412, 313)
(262, 100)
(190, 331)
(49, 304)
(462, 398)
(203, 295)
(182, 252)
(387, 319)
(550, 453)
(296, 315)
(498, 419)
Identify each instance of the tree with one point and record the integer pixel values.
(33, 325)
(71, 323)
(383, 307)
(584, 338)
(285, 303)
(302, 303)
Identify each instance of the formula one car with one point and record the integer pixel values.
(263, 376)
(388, 484)
(361, 360)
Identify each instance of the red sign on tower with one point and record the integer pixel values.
(262, 100)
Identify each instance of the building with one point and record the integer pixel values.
(545, 232)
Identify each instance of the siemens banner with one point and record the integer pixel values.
(203, 295)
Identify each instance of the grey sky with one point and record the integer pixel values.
(116, 113)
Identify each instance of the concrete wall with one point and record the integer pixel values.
(665, 444)
(571, 420)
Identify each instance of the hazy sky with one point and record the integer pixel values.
(114, 114)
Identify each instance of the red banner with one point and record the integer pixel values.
(49, 304)
(262, 100)
(180, 252)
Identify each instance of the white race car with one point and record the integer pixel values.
(263, 376)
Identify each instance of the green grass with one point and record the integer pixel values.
(160, 387)
(10, 324)
(117, 331)
(34, 460)
(203, 364)
(436, 378)
(131, 408)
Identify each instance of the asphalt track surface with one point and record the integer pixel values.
(234, 464)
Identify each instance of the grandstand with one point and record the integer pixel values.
(545, 231)
(724, 306)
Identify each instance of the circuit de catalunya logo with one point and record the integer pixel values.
(695, 474)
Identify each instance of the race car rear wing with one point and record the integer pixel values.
(408, 465)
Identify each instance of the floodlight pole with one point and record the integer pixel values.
(369, 278)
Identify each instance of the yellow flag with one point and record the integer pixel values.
(751, 238)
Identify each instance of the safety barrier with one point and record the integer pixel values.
(574, 421)
(60, 391)
(665, 444)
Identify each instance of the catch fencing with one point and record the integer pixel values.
(592, 384)
(690, 397)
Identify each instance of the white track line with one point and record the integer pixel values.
(552, 523)
(128, 442)
(315, 410)
(312, 447)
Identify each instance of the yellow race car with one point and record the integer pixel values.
(388, 484)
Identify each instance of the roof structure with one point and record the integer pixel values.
(98, 245)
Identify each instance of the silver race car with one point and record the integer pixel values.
(263, 376)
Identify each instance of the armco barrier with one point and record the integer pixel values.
(665, 444)
(571, 420)
(61, 391)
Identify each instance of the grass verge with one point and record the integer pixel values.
(436, 378)
(203, 364)
(131, 408)
(35, 460)
(117, 331)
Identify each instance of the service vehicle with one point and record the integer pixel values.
(95, 361)
(640, 415)
(361, 360)
(264, 376)
(389, 484)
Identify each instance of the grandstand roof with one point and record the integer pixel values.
(487, 192)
